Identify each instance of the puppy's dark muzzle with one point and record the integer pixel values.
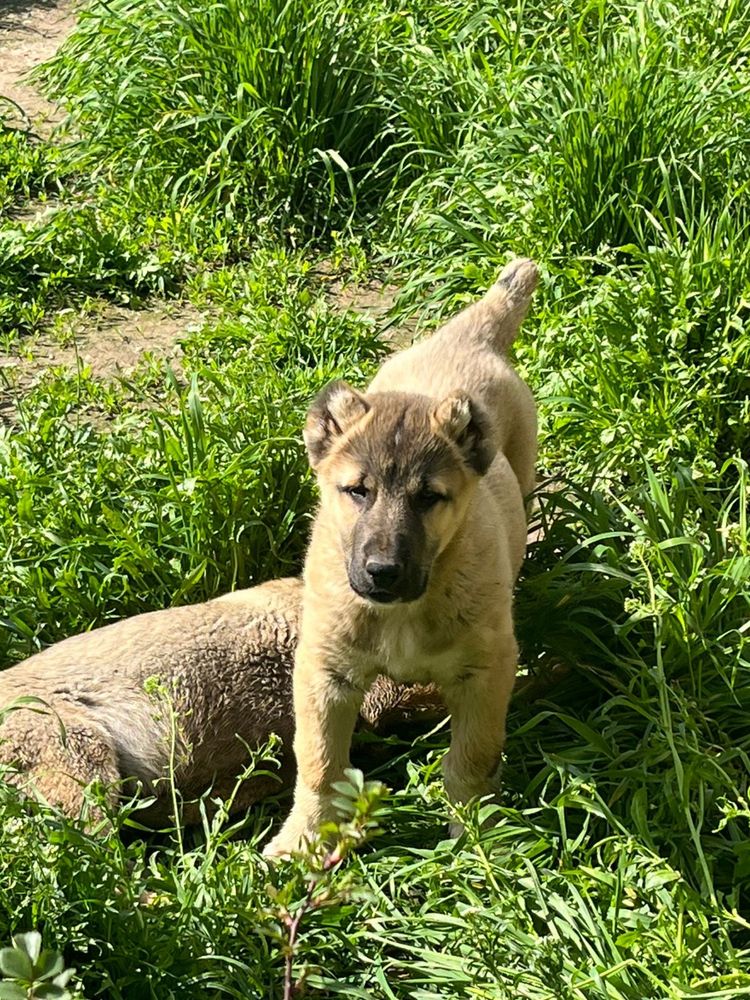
(387, 582)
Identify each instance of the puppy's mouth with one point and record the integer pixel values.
(375, 596)
(378, 596)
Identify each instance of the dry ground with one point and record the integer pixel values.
(30, 32)
(110, 339)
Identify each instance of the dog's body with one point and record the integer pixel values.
(414, 552)
(225, 673)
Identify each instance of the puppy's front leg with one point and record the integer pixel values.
(478, 706)
(326, 705)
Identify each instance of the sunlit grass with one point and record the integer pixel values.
(609, 141)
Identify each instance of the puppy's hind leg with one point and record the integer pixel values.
(56, 756)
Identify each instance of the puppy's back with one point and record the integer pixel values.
(469, 353)
(225, 666)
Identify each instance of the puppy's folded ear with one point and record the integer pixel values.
(464, 422)
(334, 411)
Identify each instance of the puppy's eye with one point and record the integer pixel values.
(358, 493)
(427, 498)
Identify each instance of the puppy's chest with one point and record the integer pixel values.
(416, 652)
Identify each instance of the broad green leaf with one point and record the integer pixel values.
(15, 964)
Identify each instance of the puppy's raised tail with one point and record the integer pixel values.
(505, 305)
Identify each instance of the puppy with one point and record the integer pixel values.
(416, 546)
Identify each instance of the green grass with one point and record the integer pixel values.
(25, 166)
(275, 111)
(608, 140)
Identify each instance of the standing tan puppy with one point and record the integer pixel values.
(416, 546)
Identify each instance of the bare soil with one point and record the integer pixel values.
(112, 343)
(30, 32)
(114, 339)
(373, 299)
(115, 342)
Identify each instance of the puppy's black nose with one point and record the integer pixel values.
(383, 574)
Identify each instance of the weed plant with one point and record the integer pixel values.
(25, 166)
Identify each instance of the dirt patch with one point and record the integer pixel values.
(30, 32)
(112, 343)
(120, 337)
(374, 299)
(111, 340)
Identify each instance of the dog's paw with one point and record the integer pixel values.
(278, 847)
(292, 838)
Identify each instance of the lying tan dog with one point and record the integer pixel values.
(227, 668)
(416, 546)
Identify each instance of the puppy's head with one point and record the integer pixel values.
(396, 474)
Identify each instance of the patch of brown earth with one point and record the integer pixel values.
(113, 340)
(374, 299)
(110, 344)
(30, 32)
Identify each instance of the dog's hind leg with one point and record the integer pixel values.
(55, 756)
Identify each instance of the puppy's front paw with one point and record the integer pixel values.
(294, 836)
(280, 847)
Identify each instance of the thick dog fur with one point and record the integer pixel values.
(416, 546)
(225, 670)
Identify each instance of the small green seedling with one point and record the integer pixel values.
(28, 973)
